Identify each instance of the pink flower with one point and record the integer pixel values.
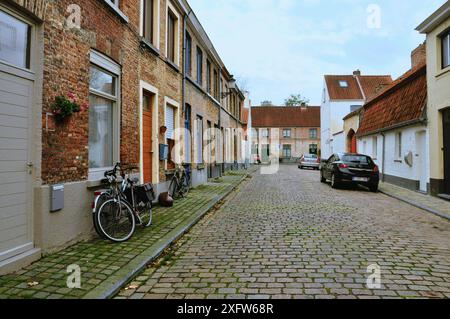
(71, 96)
(84, 107)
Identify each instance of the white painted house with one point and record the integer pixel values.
(343, 94)
(393, 131)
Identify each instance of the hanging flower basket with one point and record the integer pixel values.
(64, 107)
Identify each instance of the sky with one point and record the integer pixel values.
(276, 48)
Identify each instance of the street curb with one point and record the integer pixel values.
(112, 286)
(413, 203)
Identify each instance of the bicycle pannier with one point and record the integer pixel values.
(145, 193)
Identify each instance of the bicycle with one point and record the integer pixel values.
(181, 183)
(119, 209)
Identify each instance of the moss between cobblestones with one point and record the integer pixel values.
(107, 266)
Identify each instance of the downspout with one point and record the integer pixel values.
(222, 169)
(383, 159)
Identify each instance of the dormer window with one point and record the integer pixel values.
(343, 84)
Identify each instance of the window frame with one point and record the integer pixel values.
(375, 147)
(343, 84)
(445, 37)
(199, 60)
(110, 67)
(199, 158)
(287, 147)
(208, 76)
(313, 136)
(173, 13)
(398, 146)
(188, 57)
(155, 23)
(285, 131)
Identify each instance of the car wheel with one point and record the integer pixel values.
(322, 179)
(334, 182)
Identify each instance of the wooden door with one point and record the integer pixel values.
(446, 131)
(147, 136)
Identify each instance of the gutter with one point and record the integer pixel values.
(396, 126)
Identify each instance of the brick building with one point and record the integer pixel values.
(124, 60)
(287, 132)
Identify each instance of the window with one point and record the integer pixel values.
(103, 115)
(188, 60)
(171, 36)
(216, 85)
(375, 147)
(148, 21)
(313, 133)
(287, 151)
(265, 133)
(343, 84)
(446, 50)
(313, 149)
(287, 133)
(114, 3)
(364, 147)
(170, 134)
(353, 108)
(199, 138)
(398, 145)
(199, 66)
(208, 76)
(15, 41)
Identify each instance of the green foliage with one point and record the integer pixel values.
(296, 100)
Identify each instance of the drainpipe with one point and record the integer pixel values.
(222, 168)
(383, 159)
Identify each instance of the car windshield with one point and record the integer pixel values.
(356, 159)
(311, 156)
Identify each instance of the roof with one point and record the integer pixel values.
(438, 17)
(401, 103)
(355, 112)
(369, 85)
(281, 116)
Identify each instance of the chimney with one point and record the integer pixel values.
(357, 73)
(419, 56)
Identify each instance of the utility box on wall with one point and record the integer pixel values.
(163, 152)
(56, 198)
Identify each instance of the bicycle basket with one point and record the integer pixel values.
(145, 193)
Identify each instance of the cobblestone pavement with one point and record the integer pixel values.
(102, 262)
(433, 204)
(289, 236)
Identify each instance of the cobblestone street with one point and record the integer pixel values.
(289, 236)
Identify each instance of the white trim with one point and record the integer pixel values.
(155, 128)
(176, 106)
(156, 22)
(115, 8)
(178, 28)
(104, 62)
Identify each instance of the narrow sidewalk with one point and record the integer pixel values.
(106, 266)
(428, 203)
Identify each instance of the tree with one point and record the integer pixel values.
(266, 103)
(296, 100)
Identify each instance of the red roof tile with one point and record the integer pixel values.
(369, 84)
(402, 102)
(286, 116)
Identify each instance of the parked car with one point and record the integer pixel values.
(310, 161)
(345, 168)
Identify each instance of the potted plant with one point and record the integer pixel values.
(64, 107)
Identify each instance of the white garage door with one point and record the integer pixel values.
(16, 92)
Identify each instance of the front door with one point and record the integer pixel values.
(446, 123)
(421, 160)
(147, 101)
(16, 98)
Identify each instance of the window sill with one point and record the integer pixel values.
(398, 161)
(443, 72)
(173, 65)
(150, 47)
(117, 11)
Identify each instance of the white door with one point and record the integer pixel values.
(16, 96)
(421, 161)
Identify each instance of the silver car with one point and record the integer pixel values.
(309, 161)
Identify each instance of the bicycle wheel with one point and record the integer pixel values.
(185, 187)
(173, 188)
(103, 198)
(146, 215)
(116, 220)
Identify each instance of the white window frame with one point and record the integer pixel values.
(144, 86)
(156, 22)
(375, 147)
(343, 83)
(445, 37)
(176, 106)
(287, 133)
(199, 158)
(112, 67)
(170, 7)
(114, 4)
(398, 145)
(315, 134)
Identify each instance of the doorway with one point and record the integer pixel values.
(147, 149)
(446, 133)
(421, 160)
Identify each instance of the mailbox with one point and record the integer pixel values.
(56, 198)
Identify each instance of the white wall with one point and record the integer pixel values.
(393, 166)
(338, 144)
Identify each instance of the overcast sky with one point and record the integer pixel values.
(279, 47)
